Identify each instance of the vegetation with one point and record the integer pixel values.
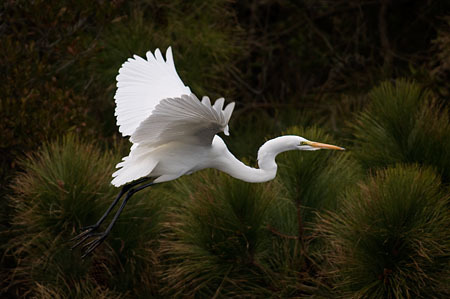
(370, 222)
(66, 186)
(390, 238)
(409, 123)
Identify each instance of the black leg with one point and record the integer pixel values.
(102, 236)
(122, 192)
(88, 231)
(90, 228)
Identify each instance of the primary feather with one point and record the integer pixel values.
(141, 85)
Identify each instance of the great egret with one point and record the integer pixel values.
(173, 134)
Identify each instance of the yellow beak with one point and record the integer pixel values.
(324, 146)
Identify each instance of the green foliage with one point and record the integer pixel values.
(244, 139)
(403, 123)
(217, 238)
(85, 290)
(311, 184)
(390, 239)
(40, 39)
(285, 63)
(313, 180)
(233, 238)
(67, 185)
(440, 71)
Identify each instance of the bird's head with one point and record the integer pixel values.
(304, 144)
(269, 150)
(291, 142)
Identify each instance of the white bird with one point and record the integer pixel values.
(174, 134)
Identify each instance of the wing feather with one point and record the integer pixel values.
(142, 84)
(154, 107)
(183, 119)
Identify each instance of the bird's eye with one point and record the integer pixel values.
(302, 143)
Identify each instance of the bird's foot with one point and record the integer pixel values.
(87, 233)
(91, 245)
(84, 232)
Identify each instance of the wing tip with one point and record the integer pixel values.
(158, 54)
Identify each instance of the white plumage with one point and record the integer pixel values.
(183, 119)
(141, 85)
(159, 112)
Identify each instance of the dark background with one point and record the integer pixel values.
(283, 62)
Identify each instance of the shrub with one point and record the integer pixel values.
(390, 239)
(313, 180)
(64, 186)
(217, 237)
(232, 238)
(403, 124)
(311, 183)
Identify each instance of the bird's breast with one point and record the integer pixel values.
(181, 158)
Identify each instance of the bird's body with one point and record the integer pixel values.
(174, 134)
(176, 159)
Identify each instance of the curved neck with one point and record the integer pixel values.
(240, 171)
(267, 170)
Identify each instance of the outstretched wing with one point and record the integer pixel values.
(184, 119)
(141, 85)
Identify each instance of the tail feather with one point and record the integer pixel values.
(138, 164)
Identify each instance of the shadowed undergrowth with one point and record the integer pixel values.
(403, 123)
(390, 239)
(208, 235)
(203, 235)
(66, 186)
(231, 238)
(217, 238)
